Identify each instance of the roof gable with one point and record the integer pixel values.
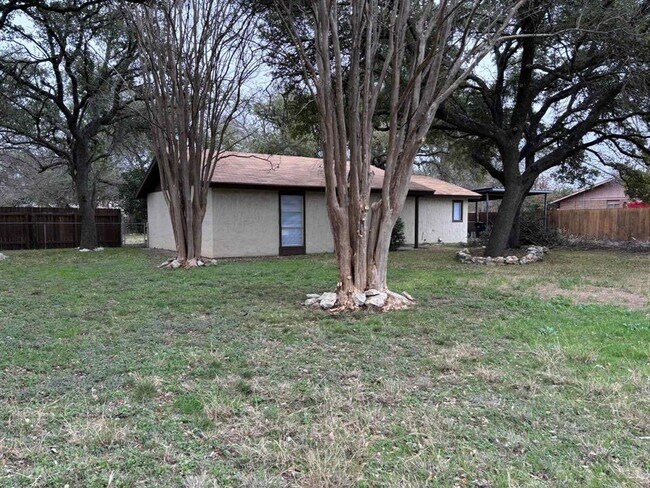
(586, 189)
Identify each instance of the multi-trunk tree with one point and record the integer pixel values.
(64, 77)
(195, 57)
(387, 64)
(568, 84)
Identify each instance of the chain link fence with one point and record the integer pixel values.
(134, 234)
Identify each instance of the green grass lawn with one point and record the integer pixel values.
(115, 373)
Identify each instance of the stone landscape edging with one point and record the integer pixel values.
(534, 254)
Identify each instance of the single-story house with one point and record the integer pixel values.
(264, 205)
(609, 193)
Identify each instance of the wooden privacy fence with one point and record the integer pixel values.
(48, 228)
(616, 224)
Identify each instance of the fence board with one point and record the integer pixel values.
(49, 228)
(616, 224)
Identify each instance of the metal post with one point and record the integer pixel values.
(487, 211)
(545, 212)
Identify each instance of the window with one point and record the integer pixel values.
(292, 224)
(613, 203)
(457, 211)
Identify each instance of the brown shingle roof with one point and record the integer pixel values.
(302, 172)
(268, 170)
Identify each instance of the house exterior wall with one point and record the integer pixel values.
(408, 217)
(317, 224)
(241, 223)
(596, 198)
(435, 221)
(159, 223)
(161, 235)
(246, 223)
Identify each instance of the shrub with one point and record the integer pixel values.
(397, 236)
(533, 231)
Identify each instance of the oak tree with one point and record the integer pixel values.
(567, 84)
(64, 77)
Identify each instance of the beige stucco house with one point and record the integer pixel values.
(265, 205)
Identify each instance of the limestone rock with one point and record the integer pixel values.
(310, 302)
(98, 249)
(397, 297)
(372, 292)
(84, 250)
(407, 295)
(328, 300)
(359, 299)
(175, 264)
(534, 254)
(314, 295)
(377, 301)
(3, 257)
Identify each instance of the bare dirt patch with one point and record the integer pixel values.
(595, 294)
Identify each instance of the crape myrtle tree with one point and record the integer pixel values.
(63, 77)
(196, 57)
(356, 64)
(566, 86)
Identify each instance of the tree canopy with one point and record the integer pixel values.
(65, 74)
(568, 83)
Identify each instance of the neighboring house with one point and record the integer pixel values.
(264, 205)
(606, 194)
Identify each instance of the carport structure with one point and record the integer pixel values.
(493, 193)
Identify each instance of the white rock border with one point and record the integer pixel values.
(174, 263)
(535, 254)
(83, 249)
(371, 300)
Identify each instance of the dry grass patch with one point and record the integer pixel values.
(589, 294)
(97, 432)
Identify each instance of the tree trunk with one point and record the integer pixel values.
(514, 240)
(187, 224)
(507, 226)
(506, 217)
(85, 196)
(362, 252)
